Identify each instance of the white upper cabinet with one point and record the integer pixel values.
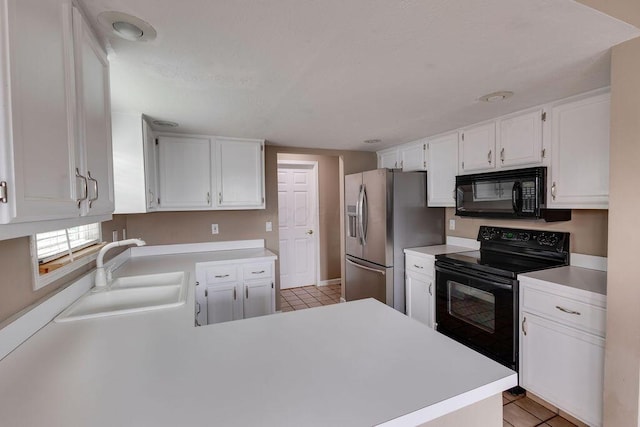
(37, 115)
(478, 148)
(94, 119)
(520, 139)
(389, 158)
(413, 156)
(55, 149)
(240, 173)
(579, 176)
(185, 173)
(442, 169)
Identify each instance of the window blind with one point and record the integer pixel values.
(54, 244)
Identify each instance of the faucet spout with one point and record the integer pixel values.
(101, 277)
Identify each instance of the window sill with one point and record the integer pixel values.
(52, 271)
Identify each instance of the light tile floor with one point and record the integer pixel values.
(308, 296)
(520, 411)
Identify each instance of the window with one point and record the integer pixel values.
(57, 253)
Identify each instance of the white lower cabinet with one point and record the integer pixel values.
(232, 291)
(562, 348)
(420, 288)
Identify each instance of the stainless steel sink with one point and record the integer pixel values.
(131, 294)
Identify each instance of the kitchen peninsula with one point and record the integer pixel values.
(358, 363)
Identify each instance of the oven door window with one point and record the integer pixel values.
(472, 305)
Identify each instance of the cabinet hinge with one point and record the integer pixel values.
(262, 148)
(3, 192)
(462, 165)
(156, 141)
(544, 152)
(263, 200)
(424, 146)
(206, 292)
(271, 285)
(424, 164)
(544, 116)
(463, 136)
(158, 200)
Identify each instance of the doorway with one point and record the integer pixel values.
(298, 222)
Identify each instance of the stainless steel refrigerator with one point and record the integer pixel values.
(386, 212)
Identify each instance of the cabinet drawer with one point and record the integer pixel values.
(565, 310)
(221, 274)
(419, 264)
(257, 271)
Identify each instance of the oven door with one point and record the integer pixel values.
(479, 310)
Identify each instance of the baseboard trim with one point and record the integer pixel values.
(337, 281)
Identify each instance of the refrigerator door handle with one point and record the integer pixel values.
(375, 270)
(365, 214)
(361, 215)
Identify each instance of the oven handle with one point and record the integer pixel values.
(463, 271)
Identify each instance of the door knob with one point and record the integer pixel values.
(310, 232)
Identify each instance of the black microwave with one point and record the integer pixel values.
(518, 193)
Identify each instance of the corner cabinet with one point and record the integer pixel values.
(235, 290)
(55, 118)
(562, 347)
(409, 157)
(210, 173)
(579, 175)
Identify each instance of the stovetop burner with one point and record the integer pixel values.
(509, 252)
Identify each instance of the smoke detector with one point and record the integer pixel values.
(126, 26)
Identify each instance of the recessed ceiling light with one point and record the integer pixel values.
(165, 123)
(372, 141)
(496, 96)
(126, 26)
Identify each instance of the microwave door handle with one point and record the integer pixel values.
(516, 197)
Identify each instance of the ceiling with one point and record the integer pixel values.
(332, 73)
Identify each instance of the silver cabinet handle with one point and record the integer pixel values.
(85, 187)
(553, 190)
(524, 328)
(198, 305)
(221, 276)
(246, 292)
(95, 186)
(502, 155)
(257, 272)
(367, 268)
(544, 152)
(489, 156)
(566, 310)
(418, 266)
(234, 294)
(430, 287)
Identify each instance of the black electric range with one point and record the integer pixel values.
(477, 291)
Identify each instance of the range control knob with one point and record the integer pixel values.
(524, 237)
(547, 239)
(488, 233)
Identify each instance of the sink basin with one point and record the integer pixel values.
(130, 295)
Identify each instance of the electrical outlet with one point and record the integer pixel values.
(214, 229)
(269, 226)
(114, 236)
(452, 224)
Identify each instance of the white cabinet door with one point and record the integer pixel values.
(388, 159)
(94, 118)
(185, 172)
(222, 303)
(520, 140)
(240, 173)
(150, 166)
(413, 157)
(563, 366)
(442, 169)
(477, 148)
(579, 175)
(419, 289)
(258, 298)
(37, 116)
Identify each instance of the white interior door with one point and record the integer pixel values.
(297, 207)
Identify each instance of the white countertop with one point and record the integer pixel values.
(357, 363)
(437, 250)
(574, 277)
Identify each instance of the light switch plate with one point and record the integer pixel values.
(214, 229)
(452, 224)
(269, 226)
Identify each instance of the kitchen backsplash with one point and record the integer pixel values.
(588, 228)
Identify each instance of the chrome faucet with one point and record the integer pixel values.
(101, 277)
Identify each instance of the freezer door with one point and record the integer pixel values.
(352, 194)
(377, 217)
(367, 280)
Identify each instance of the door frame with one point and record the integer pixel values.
(311, 165)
